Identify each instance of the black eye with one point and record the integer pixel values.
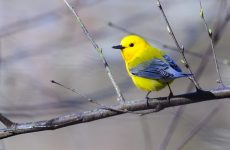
(131, 44)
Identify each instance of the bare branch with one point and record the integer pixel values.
(221, 25)
(73, 90)
(138, 105)
(219, 80)
(120, 98)
(180, 48)
(87, 98)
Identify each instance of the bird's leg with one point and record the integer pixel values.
(147, 98)
(170, 94)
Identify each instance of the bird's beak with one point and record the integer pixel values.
(118, 47)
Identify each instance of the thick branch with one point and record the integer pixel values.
(76, 118)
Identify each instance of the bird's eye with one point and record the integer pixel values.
(131, 44)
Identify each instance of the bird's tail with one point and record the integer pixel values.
(186, 75)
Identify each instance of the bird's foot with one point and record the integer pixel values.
(199, 90)
(147, 101)
(170, 96)
(147, 98)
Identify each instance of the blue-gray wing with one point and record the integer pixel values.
(172, 63)
(156, 69)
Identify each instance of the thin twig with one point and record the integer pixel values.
(180, 48)
(120, 98)
(219, 28)
(198, 127)
(87, 98)
(209, 31)
(96, 114)
(73, 90)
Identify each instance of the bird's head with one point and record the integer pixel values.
(130, 46)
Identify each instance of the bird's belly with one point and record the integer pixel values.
(148, 84)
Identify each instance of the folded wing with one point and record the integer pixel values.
(172, 63)
(159, 70)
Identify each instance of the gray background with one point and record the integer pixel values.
(41, 41)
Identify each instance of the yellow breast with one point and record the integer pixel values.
(147, 84)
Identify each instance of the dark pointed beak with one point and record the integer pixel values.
(118, 47)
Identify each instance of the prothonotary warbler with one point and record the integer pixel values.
(151, 69)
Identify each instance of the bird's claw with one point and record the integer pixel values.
(147, 98)
(169, 97)
(147, 101)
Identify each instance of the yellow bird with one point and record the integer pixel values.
(150, 68)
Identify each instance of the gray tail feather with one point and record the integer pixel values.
(186, 74)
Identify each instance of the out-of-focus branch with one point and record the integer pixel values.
(171, 128)
(169, 47)
(120, 97)
(115, 26)
(99, 113)
(35, 21)
(198, 127)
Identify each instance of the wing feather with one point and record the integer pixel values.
(172, 63)
(156, 69)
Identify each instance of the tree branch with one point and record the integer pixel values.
(219, 80)
(219, 27)
(138, 105)
(120, 97)
(180, 48)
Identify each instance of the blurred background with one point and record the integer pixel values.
(41, 41)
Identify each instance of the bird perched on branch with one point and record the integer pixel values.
(151, 69)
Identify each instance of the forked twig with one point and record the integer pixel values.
(120, 98)
(101, 106)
